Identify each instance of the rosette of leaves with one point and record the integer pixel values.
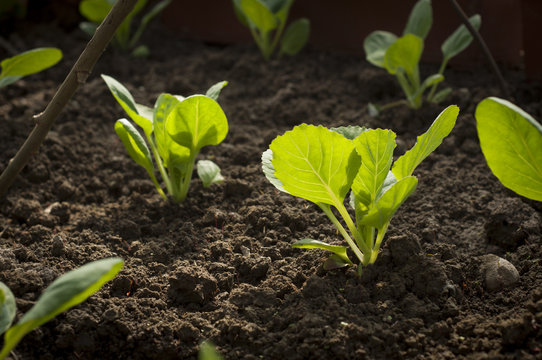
(266, 20)
(400, 56)
(175, 129)
(327, 167)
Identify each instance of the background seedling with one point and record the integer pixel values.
(176, 129)
(323, 166)
(400, 56)
(26, 63)
(266, 20)
(511, 141)
(64, 293)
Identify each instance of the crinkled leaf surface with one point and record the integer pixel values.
(420, 19)
(295, 37)
(375, 46)
(259, 14)
(511, 141)
(30, 62)
(460, 38)
(196, 122)
(134, 144)
(209, 172)
(7, 307)
(426, 143)
(315, 163)
(404, 54)
(126, 100)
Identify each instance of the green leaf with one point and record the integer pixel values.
(134, 144)
(420, 19)
(350, 132)
(404, 54)
(209, 172)
(429, 81)
(170, 152)
(315, 163)
(277, 5)
(375, 46)
(142, 51)
(88, 27)
(269, 170)
(239, 13)
(511, 141)
(196, 122)
(155, 11)
(65, 292)
(30, 62)
(214, 91)
(259, 15)
(295, 37)
(441, 95)
(207, 351)
(126, 100)
(7, 307)
(460, 39)
(426, 143)
(340, 251)
(376, 150)
(5, 81)
(335, 262)
(95, 10)
(381, 213)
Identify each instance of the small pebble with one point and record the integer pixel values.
(498, 273)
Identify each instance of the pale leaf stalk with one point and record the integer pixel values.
(160, 165)
(185, 184)
(381, 233)
(278, 34)
(434, 87)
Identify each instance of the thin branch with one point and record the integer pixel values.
(483, 46)
(76, 77)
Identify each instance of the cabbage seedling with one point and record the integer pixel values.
(96, 10)
(26, 63)
(64, 293)
(511, 141)
(400, 56)
(323, 166)
(266, 20)
(176, 129)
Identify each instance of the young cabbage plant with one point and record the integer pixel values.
(511, 141)
(324, 166)
(26, 63)
(176, 129)
(400, 56)
(96, 10)
(266, 20)
(64, 293)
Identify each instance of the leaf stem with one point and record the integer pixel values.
(381, 233)
(160, 165)
(185, 184)
(434, 87)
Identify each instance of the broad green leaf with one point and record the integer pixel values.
(95, 10)
(196, 122)
(375, 147)
(381, 213)
(340, 251)
(315, 163)
(30, 62)
(207, 351)
(511, 141)
(295, 37)
(460, 39)
(126, 100)
(441, 95)
(420, 19)
(7, 307)
(134, 144)
(376, 44)
(350, 132)
(170, 152)
(404, 54)
(426, 143)
(269, 170)
(209, 172)
(64, 293)
(214, 91)
(259, 15)
(335, 262)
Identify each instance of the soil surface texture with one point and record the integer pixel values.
(220, 266)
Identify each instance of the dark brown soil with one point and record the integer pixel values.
(220, 266)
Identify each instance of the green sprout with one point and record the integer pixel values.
(27, 63)
(64, 293)
(266, 20)
(400, 56)
(324, 166)
(511, 141)
(176, 129)
(96, 10)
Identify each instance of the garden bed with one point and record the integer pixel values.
(220, 266)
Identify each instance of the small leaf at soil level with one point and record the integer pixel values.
(7, 307)
(64, 293)
(340, 251)
(511, 141)
(209, 172)
(207, 351)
